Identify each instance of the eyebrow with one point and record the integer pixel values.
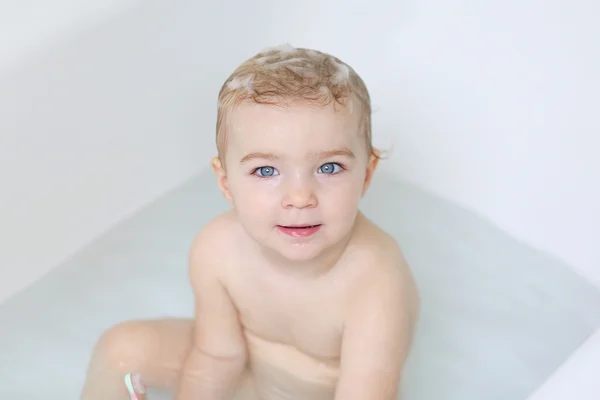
(322, 154)
(263, 156)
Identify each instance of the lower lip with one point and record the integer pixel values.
(299, 232)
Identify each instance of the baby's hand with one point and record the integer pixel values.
(135, 387)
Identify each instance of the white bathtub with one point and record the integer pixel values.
(99, 123)
(498, 318)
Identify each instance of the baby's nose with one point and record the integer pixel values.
(300, 196)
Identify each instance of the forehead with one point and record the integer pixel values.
(295, 127)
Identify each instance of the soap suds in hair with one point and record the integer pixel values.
(278, 63)
(342, 74)
(237, 83)
(283, 48)
(275, 57)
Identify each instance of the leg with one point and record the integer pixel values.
(155, 349)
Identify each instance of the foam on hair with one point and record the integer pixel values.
(286, 76)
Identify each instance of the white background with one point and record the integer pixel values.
(108, 104)
(101, 111)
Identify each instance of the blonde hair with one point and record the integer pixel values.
(286, 76)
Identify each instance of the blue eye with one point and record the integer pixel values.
(330, 168)
(265, 172)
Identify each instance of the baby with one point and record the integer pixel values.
(298, 295)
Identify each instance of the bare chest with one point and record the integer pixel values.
(302, 315)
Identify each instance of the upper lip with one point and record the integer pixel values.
(299, 225)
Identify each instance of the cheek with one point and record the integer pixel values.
(340, 198)
(253, 198)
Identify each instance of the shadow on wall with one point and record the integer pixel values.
(497, 317)
(95, 128)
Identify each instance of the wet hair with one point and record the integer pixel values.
(288, 76)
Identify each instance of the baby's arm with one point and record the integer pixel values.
(376, 338)
(217, 359)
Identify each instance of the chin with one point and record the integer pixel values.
(305, 251)
(298, 249)
(298, 255)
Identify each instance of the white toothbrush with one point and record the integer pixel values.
(129, 385)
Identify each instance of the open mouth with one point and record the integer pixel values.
(299, 230)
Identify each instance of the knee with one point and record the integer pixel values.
(127, 346)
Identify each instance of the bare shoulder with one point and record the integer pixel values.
(211, 247)
(382, 268)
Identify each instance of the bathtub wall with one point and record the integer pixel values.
(105, 106)
(494, 105)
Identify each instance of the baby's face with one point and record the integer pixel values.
(289, 168)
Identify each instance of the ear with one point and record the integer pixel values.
(219, 171)
(371, 167)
